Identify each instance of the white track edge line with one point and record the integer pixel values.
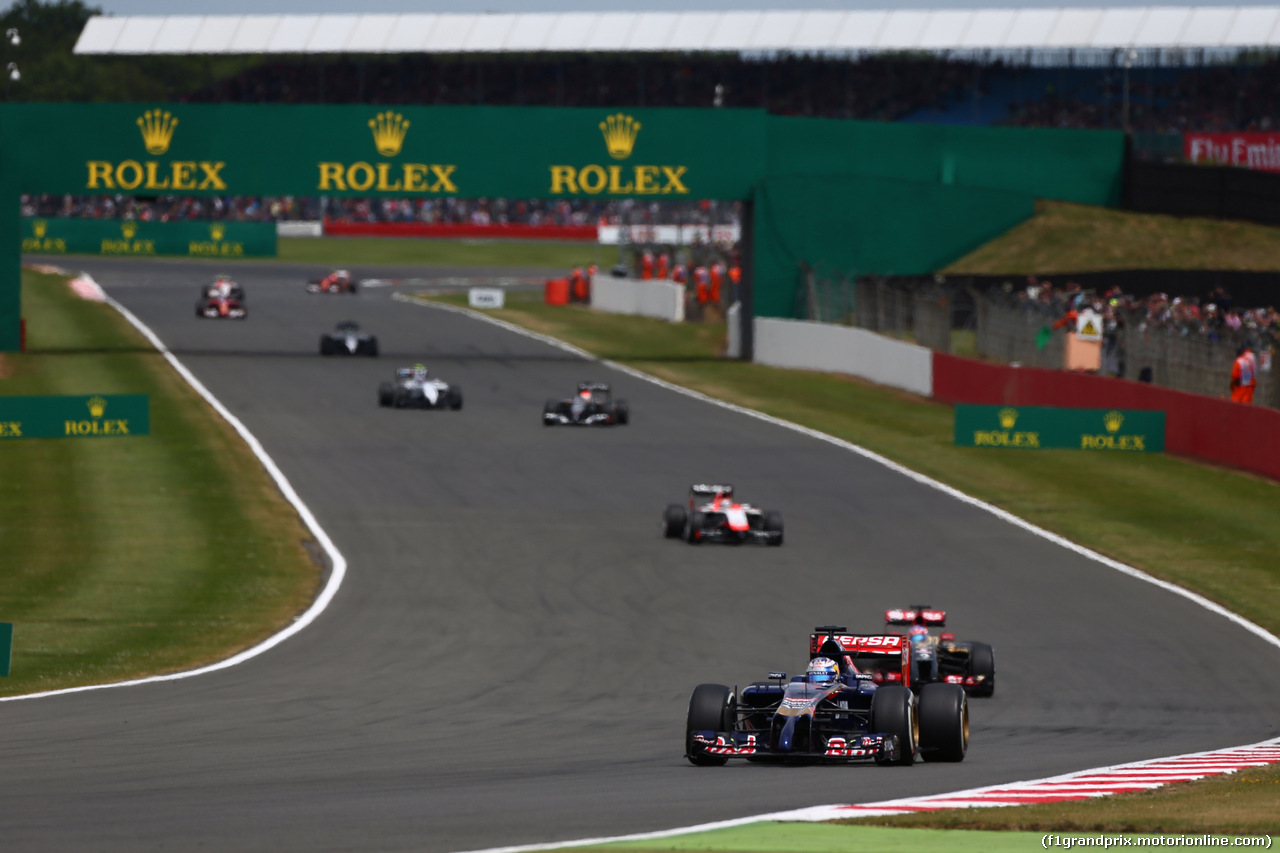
(338, 564)
(1004, 515)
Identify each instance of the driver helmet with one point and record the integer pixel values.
(342, 274)
(822, 672)
(585, 393)
(420, 368)
(918, 634)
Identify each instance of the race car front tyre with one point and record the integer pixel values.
(673, 521)
(696, 523)
(386, 394)
(455, 398)
(944, 722)
(711, 709)
(982, 661)
(892, 713)
(773, 524)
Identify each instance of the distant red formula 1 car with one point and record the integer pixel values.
(222, 299)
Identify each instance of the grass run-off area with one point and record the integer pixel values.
(406, 251)
(1066, 238)
(1208, 529)
(137, 555)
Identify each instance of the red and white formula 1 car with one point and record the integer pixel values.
(223, 299)
(942, 658)
(714, 516)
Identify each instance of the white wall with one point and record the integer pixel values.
(843, 349)
(299, 228)
(661, 299)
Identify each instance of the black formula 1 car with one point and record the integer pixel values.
(861, 708)
(592, 405)
(223, 299)
(413, 388)
(712, 515)
(347, 339)
(941, 658)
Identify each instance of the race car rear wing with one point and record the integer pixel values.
(592, 386)
(926, 614)
(829, 639)
(711, 490)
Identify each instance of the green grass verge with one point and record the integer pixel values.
(357, 251)
(133, 556)
(1064, 238)
(1208, 529)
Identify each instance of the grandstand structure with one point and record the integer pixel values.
(951, 31)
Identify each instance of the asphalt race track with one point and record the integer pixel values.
(511, 655)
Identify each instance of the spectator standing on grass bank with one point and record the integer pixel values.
(1244, 375)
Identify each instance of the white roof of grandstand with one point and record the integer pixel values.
(1151, 27)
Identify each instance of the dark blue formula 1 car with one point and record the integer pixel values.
(854, 703)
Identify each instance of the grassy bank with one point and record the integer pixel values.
(133, 556)
(1064, 238)
(356, 251)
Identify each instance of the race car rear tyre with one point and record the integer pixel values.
(455, 398)
(773, 523)
(695, 524)
(386, 394)
(371, 348)
(944, 722)
(623, 412)
(711, 708)
(326, 345)
(982, 661)
(892, 713)
(673, 521)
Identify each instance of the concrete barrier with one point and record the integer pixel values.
(842, 349)
(299, 228)
(661, 299)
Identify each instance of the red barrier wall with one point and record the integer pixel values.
(1202, 427)
(460, 230)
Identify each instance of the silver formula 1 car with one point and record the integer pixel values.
(414, 388)
(712, 515)
(347, 339)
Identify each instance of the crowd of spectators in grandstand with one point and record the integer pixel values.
(880, 88)
(480, 211)
(1215, 318)
(1206, 99)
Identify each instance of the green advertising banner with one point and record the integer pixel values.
(6, 648)
(95, 416)
(129, 237)
(405, 151)
(1041, 427)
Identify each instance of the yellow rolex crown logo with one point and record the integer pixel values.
(620, 135)
(216, 231)
(97, 406)
(1113, 420)
(157, 129)
(1008, 417)
(41, 228)
(389, 130)
(128, 229)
